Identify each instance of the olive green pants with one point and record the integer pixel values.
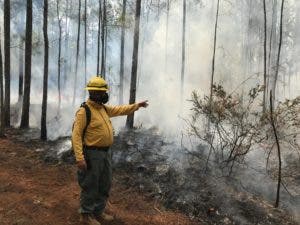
(95, 182)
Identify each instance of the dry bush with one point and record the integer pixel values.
(232, 125)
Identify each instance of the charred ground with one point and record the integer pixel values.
(39, 184)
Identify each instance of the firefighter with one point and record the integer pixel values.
(91, 140)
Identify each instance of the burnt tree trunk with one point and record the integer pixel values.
(45, 82)
(265, 56)
(7, 61)
(77, 52)
(59, 59)
(103, 34)
(27, 80)
(98, 38)
(183, 51)
(2, 133)
(21, 71)
(121, 91)
(130, 118)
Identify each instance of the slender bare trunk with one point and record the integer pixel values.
(7, 61)
(98, 38)
(273, 38)
(121, 91)
(28, 55)
(130, 118)
(183, 51)
(21, 71)
(279, 52)
(265, 56)
(167, 33)
(45, 82)
(105, 49)
(85, 41)
(66, 49)
(214, 52)
(59, 59)
(2, 119)
(77, 52)
(103, 33)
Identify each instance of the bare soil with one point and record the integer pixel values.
(32, 192)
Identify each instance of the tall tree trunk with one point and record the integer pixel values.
(265, 56)
(21, 70)
(272, 47)
(85, 41)
(45, 82)
(98, 38)
(130, 118)
(183, 51)
(2, 119)
(246, 7)
(273, 35)
(66, 50)
(105, 49)
(7, 61)
(273, 30)
(167, 33)
(158, 9)
(28, 51)
(59, 59)
(121, 91)
(214, 53)
(279, 52)
(103, 33)
(77, 52)
(249, 52)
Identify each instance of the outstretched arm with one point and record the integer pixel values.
(122, 110)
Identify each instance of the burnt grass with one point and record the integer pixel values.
(154, 166)
(163, 171)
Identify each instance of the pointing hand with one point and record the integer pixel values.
(143, 104)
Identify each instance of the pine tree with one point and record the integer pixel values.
(27, 80)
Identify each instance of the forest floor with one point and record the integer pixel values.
(33, 192)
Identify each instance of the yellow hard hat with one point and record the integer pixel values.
(97, 84)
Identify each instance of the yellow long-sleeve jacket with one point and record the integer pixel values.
(99, 132)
